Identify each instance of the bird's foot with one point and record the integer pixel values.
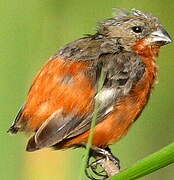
(105, 164)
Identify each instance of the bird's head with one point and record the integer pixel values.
(133, 27)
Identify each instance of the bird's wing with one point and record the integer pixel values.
(122, 72)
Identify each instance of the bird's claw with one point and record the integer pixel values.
(92, 167)
(101, 156)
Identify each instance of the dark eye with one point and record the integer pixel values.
(137, 29)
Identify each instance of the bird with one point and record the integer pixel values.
(59, 105)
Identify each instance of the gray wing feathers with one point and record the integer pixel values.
(89, 48)
(56, 128)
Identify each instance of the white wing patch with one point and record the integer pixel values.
(105, 95)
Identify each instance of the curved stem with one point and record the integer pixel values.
(152, 163)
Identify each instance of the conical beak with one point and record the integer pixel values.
(160, 36)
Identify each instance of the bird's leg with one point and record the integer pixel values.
(105, 159)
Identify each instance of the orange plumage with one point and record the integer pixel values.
(42, 102)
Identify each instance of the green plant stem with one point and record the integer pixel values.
(93, 122)
(157, 160)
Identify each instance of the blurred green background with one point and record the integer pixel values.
(32, 31)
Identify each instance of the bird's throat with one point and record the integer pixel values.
(145, 50)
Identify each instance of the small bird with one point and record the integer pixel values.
(60, 102)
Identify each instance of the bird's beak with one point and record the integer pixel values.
(160, 36)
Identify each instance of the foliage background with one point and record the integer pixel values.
(30, 32)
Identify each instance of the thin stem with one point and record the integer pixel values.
(93, 123)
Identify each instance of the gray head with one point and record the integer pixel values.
(134, 25)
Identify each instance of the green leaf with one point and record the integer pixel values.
(152, 163)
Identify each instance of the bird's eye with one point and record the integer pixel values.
(137, 29)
